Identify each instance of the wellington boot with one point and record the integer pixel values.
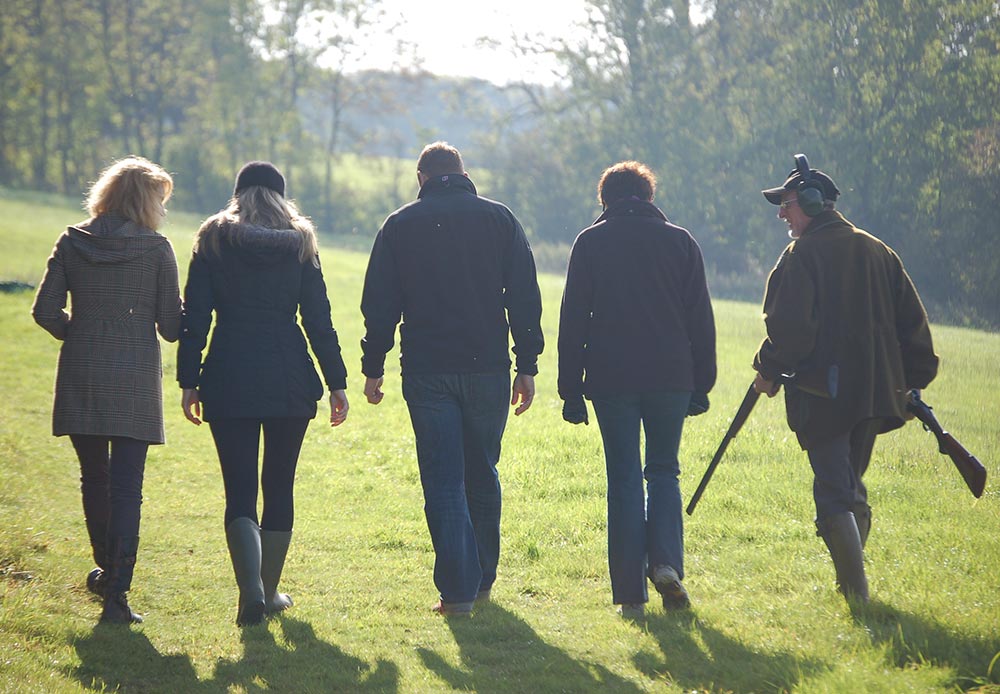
(273, 550)
(840, 532)
(243, 538)
(863, 516)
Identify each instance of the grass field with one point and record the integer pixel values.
(766, 615)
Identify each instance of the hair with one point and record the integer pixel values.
(440, 158)
(262, 207)
(133, 187)
(626, 179)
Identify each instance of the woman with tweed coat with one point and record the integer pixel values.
(122, 276)
(256, 265)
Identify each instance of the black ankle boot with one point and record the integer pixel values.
(121, 563)
(97, 581)
(117, 610)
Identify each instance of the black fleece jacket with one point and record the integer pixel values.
(455, 267)
(636, 314)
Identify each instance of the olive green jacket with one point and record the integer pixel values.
(840, 310)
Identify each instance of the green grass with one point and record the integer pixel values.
(766, 619)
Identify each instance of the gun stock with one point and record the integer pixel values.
(972, 471)
(968, 465)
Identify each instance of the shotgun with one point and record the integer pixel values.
(746, 407)
(971, 469)
(825, 387)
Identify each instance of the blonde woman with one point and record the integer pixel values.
(256, 265)
(122, 277)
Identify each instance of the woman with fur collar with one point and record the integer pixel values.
(256, 265)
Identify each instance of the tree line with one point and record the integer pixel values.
(896, 99)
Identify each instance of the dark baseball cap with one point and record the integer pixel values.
(829, 188)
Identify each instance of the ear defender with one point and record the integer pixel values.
(810, 190)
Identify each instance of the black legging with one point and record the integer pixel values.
(238, 444)
(111, 471)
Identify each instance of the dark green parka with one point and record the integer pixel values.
(839, 297)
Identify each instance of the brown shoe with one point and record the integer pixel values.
(453, 609)
(668, 585)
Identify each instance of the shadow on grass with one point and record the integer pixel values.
(303, 663)
(501, 653)
(114, 657)
(911, 640)
(695, 656)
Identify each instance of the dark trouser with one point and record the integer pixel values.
(238, 444)
(645, 526)
(838, 466)
(111, 472)
(458, 422)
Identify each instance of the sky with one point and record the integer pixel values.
(446, 35)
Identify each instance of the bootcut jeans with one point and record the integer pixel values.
(645, 525)
(458, 421)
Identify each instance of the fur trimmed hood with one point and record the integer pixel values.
(254, 243)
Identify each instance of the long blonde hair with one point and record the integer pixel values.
(134, 187)
(262, 207)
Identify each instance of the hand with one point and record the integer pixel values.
(699, 404)
(575, 410)
(373, 390)
(191, 404)
(523, 389)
(766, 387)
(338, 407)
(912, 396)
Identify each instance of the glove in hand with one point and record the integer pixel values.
(575, 410)
(699, 404)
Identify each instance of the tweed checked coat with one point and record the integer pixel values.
(122, 279)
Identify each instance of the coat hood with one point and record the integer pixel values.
(253, 244)
(110, 239)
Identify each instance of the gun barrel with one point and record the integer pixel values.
(746, 407)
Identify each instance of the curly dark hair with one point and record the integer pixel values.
(626, 179)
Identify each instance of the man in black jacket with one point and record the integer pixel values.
(637, 337)
(456, 268)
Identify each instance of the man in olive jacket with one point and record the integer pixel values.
(844, 317)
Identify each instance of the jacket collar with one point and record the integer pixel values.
(631, 207)
(825, 220)
(447, 183)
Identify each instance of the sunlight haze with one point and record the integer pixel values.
(447, 36)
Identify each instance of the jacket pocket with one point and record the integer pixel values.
(797, 409)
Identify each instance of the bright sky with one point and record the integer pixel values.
(446, 34)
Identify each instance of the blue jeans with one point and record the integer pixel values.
(458, 421)
(645, 526)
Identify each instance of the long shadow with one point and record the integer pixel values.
(119, 658)
(913, 640)
(500, 653)
(304, 663)
(695, 656)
